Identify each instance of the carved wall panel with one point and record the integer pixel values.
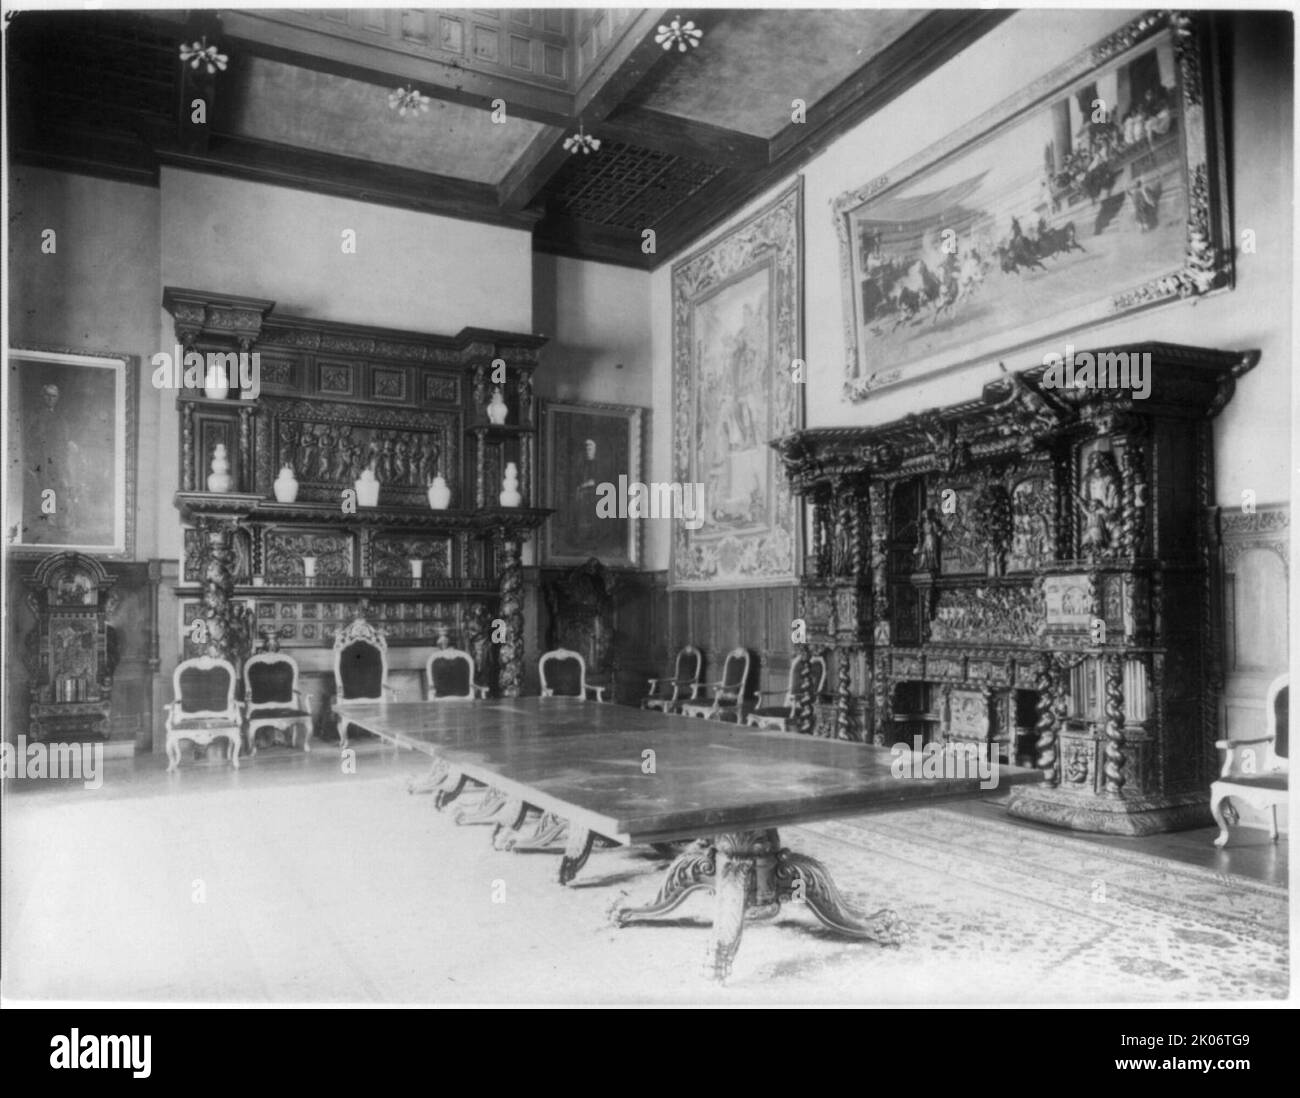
(283, 551)
(393, 555)
(990, 614)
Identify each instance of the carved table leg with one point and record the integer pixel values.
(432, 781)
(452, 787)
(576, 853)
(516, 812)
(485, 812)
(550, 829)
(750, 875)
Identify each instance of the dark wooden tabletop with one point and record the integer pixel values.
(587, 762)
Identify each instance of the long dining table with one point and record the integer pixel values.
(712, 794)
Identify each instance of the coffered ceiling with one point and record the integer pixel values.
(304, 102)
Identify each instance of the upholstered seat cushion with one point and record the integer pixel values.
(1259, 781)
(277, 713)
(780, 711)
(203, 724)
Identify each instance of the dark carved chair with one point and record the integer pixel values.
(272, 698)
(204, 708)
(360, 671)
(1255, 771)
(728, 699)
(666, 695)
(780, 718)
(564, 674)
(449, 673)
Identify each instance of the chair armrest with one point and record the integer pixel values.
(653, 684)
(389, 693)
(1228, 745)
(306, 701)
(1264, 762)
(599, 691)
(480, 692)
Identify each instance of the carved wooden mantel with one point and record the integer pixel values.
(1030, 570)
(333, 401)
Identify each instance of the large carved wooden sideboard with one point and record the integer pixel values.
(1032, 571)
(336, 400)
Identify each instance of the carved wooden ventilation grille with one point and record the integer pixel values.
(626, 186)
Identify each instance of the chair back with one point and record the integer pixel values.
(687, 668)
(563, 673)
(204, 684)
(1277, 700)
(360, 662)
(818, 668)
(270, 678)
(735, 674)
(449, 673)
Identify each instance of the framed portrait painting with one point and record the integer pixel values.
(592, 460)
(70, 449)
(1095, 191)
(737, 336)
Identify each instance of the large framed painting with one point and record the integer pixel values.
(737, 384)
(1097, 190)
(70, 449)
(592, 472)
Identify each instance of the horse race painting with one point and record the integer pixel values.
(1096, 191)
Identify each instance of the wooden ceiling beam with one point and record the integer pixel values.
(347, 177)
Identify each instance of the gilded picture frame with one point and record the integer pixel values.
(1095, 191)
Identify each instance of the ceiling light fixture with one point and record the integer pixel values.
(581, 142)
(200, 53)
(407, 100)
(679, 34)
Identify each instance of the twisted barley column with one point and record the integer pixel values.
(512, 611)
(1045, 746)
(1114, 766)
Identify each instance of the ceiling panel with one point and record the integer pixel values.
(752, 63)
(327, 113)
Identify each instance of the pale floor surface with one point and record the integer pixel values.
(219, 885)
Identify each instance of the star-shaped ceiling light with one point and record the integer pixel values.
(678, 34)
(581, 142)
(200, 53)
(407, 100)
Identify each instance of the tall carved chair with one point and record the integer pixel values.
(449, 673)
(724, 700)
(564, 675)
(360, 671)
(1255, 771)
(667, 695)
(204, 708)
(780, 718)
(272, 698)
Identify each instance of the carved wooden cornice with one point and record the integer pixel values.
(1015, 413)
(250, 323)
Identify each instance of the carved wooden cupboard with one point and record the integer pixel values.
(339, 404)
(1032, 572)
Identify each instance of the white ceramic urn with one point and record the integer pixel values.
(510, 496)
(439, 494)
(367, 486)
(286, 485)
(219, 478)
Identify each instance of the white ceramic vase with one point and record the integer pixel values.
(510, 496)
(367, 486)
(497, 409)
(439, 494)
(216, 384)
(286, 485)
(219, 478)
